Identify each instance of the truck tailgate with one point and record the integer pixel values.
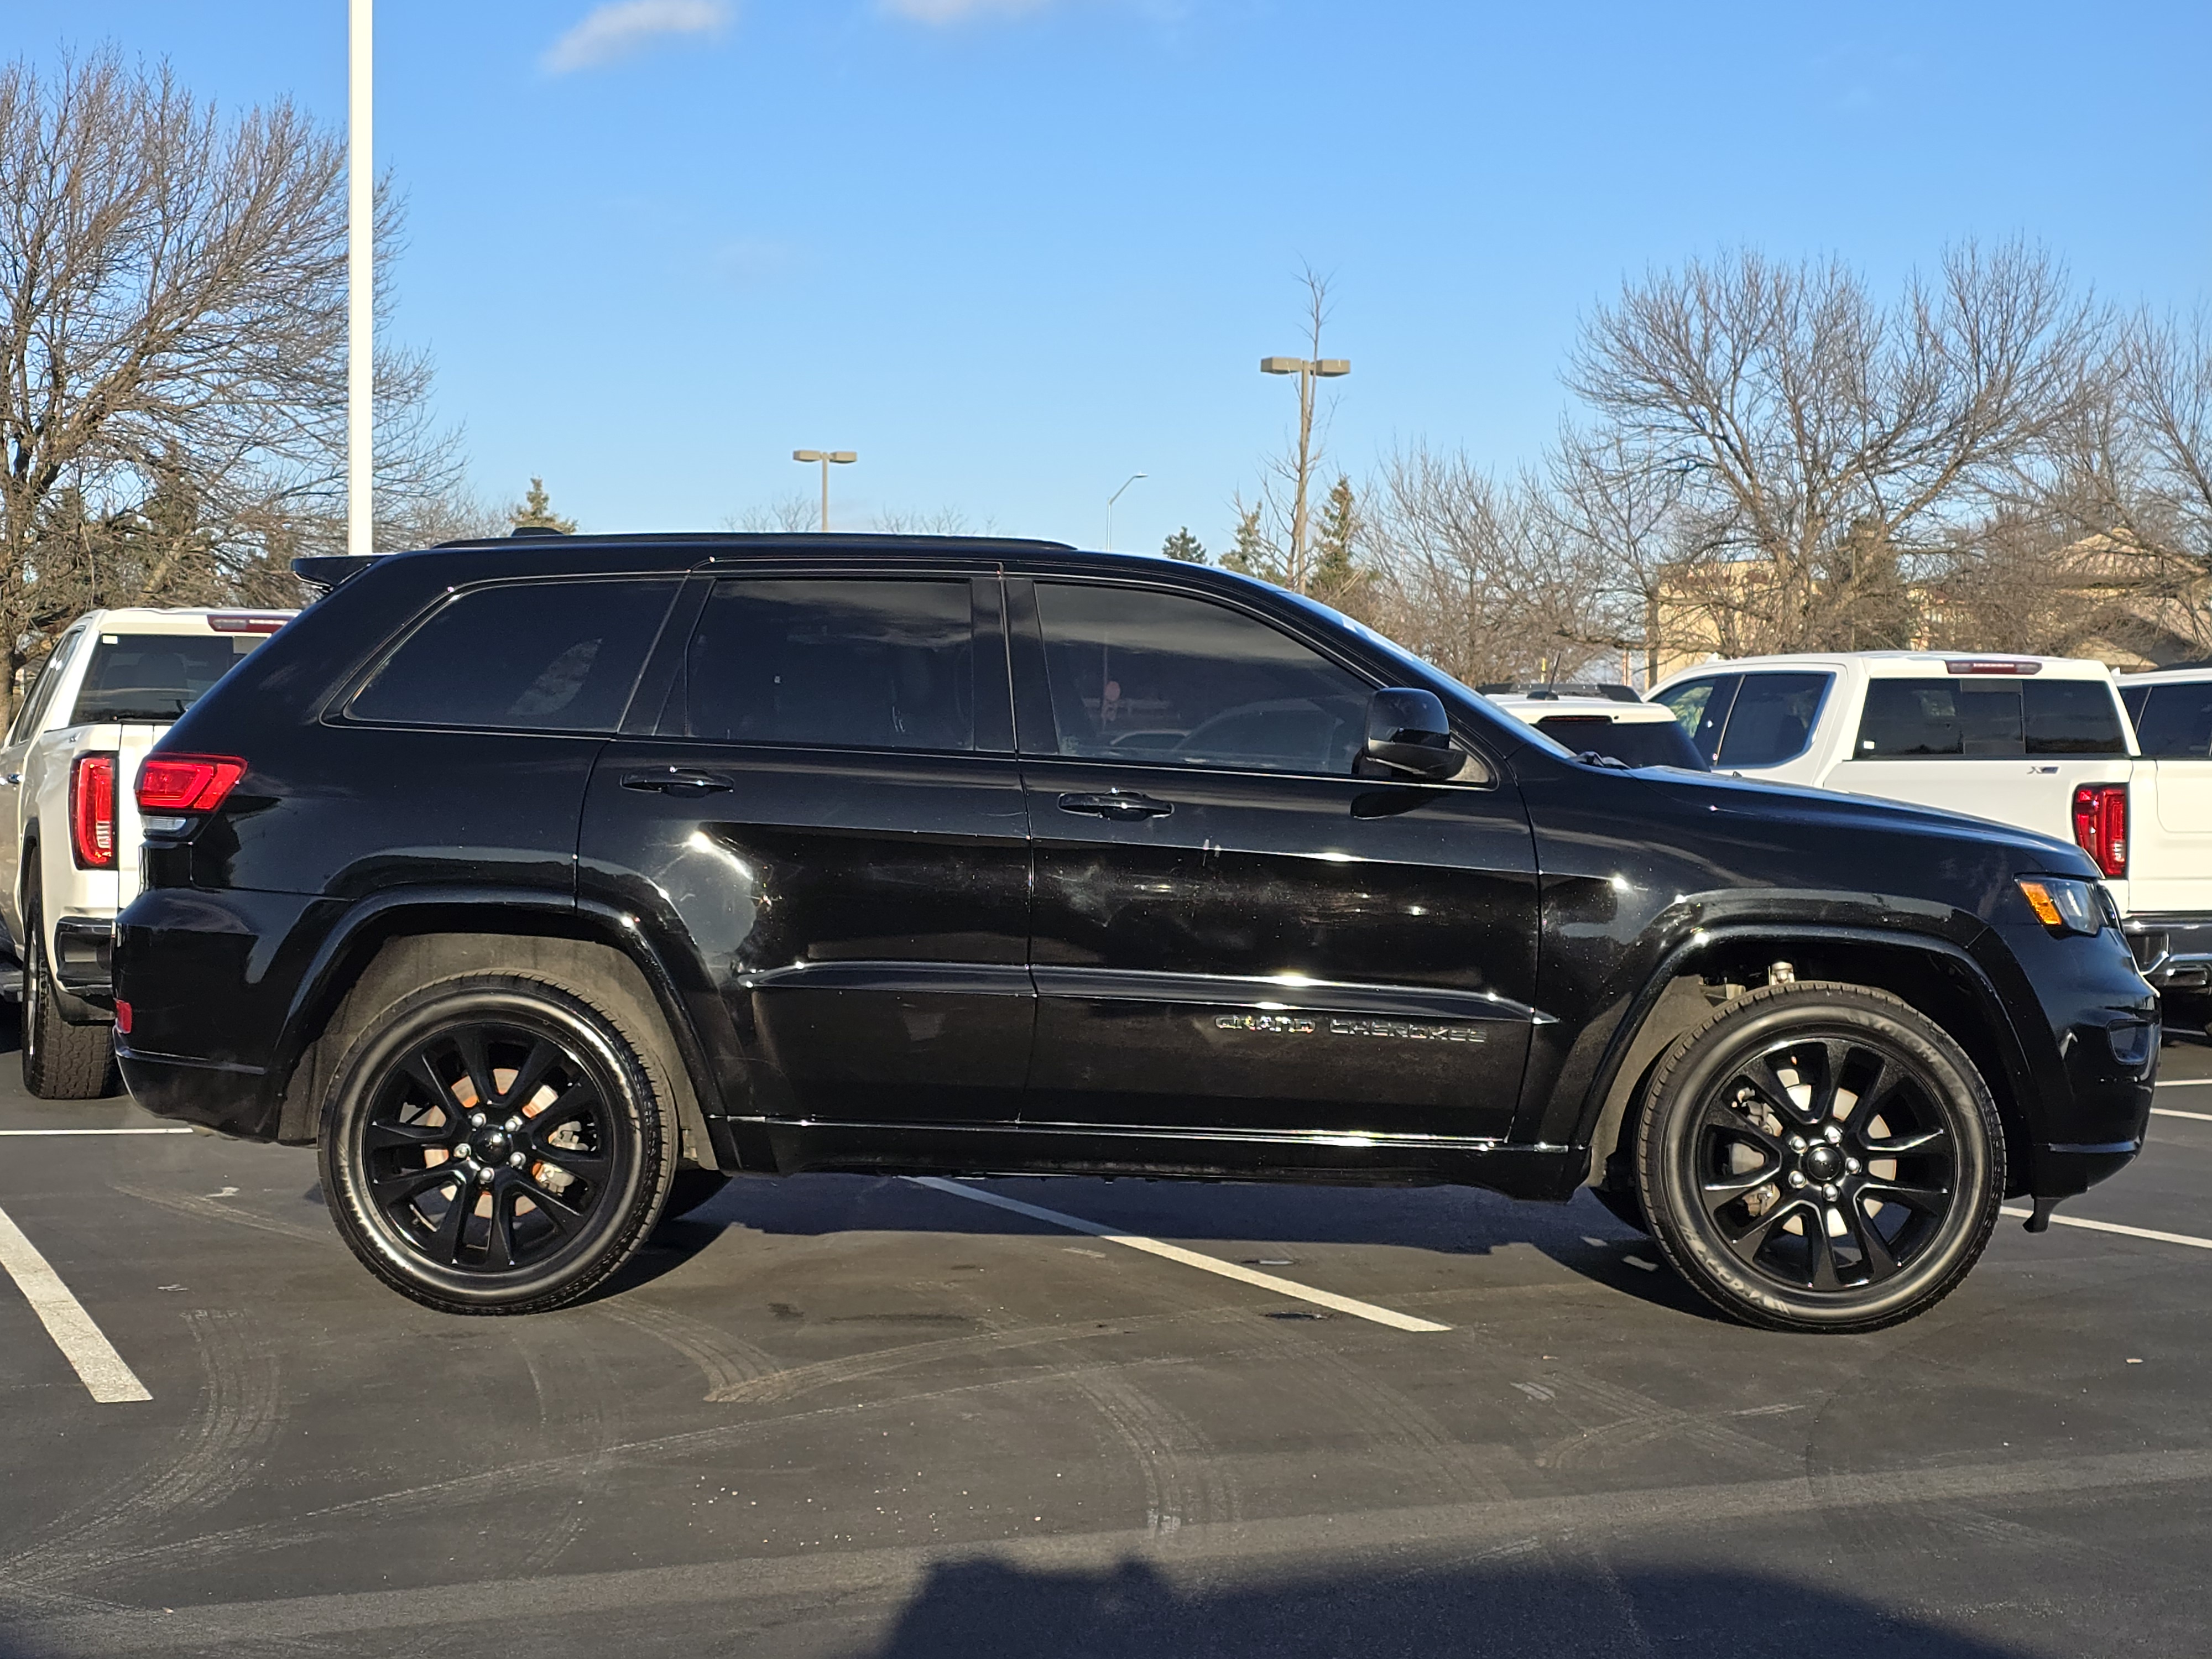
(132, 743)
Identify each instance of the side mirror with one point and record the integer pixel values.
(1409, 735)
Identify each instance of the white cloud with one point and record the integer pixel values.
(617, 29)
(960, 11)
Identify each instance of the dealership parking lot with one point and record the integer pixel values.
(879, 1417)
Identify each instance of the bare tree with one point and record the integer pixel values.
(784, 516)
(1829, 440)
(1273, 539)
(172, 350)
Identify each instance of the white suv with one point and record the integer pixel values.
(69, 821)
(2042, 743)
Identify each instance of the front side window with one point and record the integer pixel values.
(154, 676)
(1176, 681)
(1772, 719)
(834, 662)
(2173, 721)
(542, 656)
(1702, 707)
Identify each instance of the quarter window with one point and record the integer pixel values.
(550, 656)
(835, 664)
(1176, 681)
(2173, 720)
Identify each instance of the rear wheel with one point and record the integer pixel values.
(1821, 1158)
(61, 1061)
(495, 1144)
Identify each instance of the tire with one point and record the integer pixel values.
(690, 1190)
(1627, 1206)
(561, 1189)
(1772, 1127)
(61, 1061)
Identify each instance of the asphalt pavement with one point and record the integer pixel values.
(862, 1417)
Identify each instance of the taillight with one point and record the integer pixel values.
(187, 783)
(91, 811)
(2100, 825)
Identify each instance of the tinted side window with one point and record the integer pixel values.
(154, 676)
(1635, 743)
(1702, 706)
(2071, 717)
(1940, 717)
(2174, 720)
(555, 656)
(33, 708)
(1772, 719)
(1138, 675)
(837, 664)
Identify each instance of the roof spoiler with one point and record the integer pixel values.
(326, 571)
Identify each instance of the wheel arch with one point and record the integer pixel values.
(385, 950)
(1936, 976)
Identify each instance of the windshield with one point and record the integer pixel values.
(154, 676)
(1633, 743)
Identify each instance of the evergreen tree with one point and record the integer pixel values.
(1184, 548)
(537, 511)
(1336, 578)
(1252, 555)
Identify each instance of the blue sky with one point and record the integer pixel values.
(1013, 251)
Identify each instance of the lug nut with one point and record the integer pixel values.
(1797, 1177)
(485, 1176)
(1796, 1143)
(476, 1119)
(465, 1151)
(1832, 1134)
(1829, 1192)
(1852, 1164)
(513, 1124)
(516, 1159)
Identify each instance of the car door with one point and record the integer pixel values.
(829, 818)
(1231, 933)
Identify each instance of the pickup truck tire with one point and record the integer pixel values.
(495, 1144)
(1821, 1158)
(61, 1061)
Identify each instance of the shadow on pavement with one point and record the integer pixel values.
(979, 1610)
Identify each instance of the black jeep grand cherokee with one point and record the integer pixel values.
(545, 884)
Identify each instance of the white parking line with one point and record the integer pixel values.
(109, 1380)
(2185, 1083)
(2194, 1117)
(166, 1129)
(1189, 1258)
(2151, 1233)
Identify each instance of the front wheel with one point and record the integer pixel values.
(1821, 1158)
(494, 1145)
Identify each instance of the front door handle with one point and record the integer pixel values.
(677, 781)
(1116, 803)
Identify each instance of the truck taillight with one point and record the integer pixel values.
(2100, 825)
(91, 811)
(187, 783)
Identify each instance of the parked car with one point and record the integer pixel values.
(2171, 711)
(68, 827)
(533, 884)
(1634, 733)
(2040, 743)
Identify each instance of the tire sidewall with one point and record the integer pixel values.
(623, 1216)
(1700, 1064)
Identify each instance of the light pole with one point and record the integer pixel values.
(841, 457)
(1308, 370)
(360, 287)
(1110, 500)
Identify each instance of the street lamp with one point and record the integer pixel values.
(1110, 500)
(1308, 369)
(841, 457)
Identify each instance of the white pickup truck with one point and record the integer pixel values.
(2043, 743)
(2171, 713)
(69, 820)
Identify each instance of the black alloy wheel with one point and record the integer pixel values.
(1821, 1157)
(494, 1146)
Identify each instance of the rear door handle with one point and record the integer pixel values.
(1116, 803)
(676, 781)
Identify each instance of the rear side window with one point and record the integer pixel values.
(1772, 719)
(2173, 720)
(554, 656)
(1702, 707)
(154, 676)
(1964, 717)
(1174, 681)
(33, 708)
(834, 663)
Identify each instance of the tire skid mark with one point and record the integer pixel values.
(1185, 1482)
(208, 1209)
(1613, 1420)
(554, 1537)
(729, 1364)
(239, 1413)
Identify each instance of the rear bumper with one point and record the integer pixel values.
(84, 959)
(233, 1100)
(2175, 951)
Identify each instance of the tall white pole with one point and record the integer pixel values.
(360, 289)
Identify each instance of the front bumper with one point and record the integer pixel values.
(2174, 953)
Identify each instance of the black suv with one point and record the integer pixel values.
(545, 884)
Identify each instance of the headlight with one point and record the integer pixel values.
(2063, 906)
